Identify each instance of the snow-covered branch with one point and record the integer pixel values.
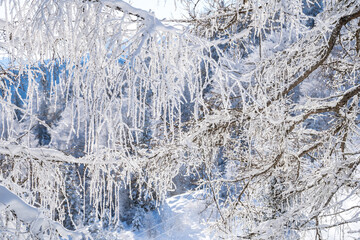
(38, 225)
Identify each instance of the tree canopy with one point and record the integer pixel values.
(256, 102)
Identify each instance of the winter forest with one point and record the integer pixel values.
(239, 120)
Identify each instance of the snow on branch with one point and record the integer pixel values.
(326, 52)
(37, 223)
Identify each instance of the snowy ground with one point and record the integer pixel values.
(182, 217)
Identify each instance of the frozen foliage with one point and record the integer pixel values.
(256, 102)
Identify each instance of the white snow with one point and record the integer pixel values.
(31, 216)
(183, 217)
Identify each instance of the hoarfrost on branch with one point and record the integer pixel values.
(259, 100)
